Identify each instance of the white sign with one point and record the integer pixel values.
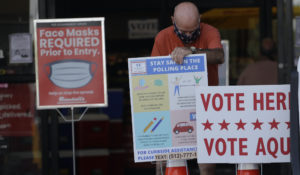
(20, 48)
(163, 102)
(243, 124)
(141, 29)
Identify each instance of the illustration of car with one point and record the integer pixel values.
(183, 127)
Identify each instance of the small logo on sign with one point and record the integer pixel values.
(138, 67)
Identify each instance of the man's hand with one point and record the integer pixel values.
(179, 53)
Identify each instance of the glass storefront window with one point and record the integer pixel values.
(240, 26)
(19, 132)
(20, 151)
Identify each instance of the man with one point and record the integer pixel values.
(264, 71)
(187, 36)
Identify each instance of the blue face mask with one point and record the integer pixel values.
(187, 39)
(71, 73)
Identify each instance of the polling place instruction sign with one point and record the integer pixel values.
(243, 124)
(162, 95)
(70, 63)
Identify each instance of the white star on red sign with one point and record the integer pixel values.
(240, 125)
(257, 124)
(274, 124)
(207, 125)
(224, 125)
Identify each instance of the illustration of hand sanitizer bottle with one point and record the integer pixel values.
(142, 82)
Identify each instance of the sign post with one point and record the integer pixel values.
(70, 65)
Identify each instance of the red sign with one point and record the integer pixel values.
(70, 63)
(16, 110)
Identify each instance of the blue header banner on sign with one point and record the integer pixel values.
(165, 65)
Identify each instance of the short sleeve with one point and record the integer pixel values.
(214, 39)
(155, 50)
(210, 36)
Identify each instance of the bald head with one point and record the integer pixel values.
(267, 43)
(186, 15)
(268, 48)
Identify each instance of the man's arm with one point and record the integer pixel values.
(213, 56)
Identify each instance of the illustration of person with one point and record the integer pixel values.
(176, 88)
(197, 79)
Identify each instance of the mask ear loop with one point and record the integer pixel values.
(47, 69)
(93, 68)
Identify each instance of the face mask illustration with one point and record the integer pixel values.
(70, 73)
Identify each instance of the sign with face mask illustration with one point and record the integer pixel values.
(70, 63)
